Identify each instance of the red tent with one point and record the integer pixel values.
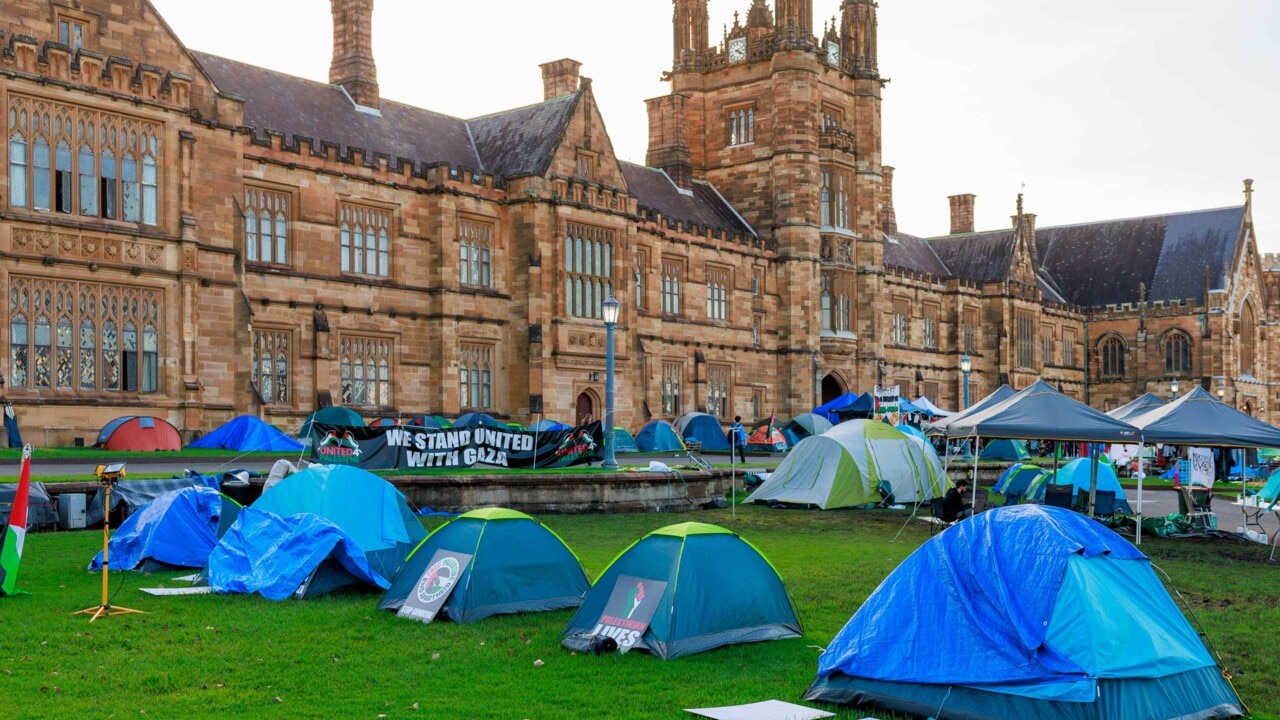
(139, 433)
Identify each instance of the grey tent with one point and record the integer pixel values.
(1198, 418)
(1143, 403)
(40, 508)
(1002, 393)
(1041, 412)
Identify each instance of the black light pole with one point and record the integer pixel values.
(966, 365)
(1174, 387)
(610, 311)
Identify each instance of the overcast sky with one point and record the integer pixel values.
(1095, 109)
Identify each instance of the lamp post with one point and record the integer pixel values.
(610, 311)
(965, 366)
(1222, 393)
(1174, 387)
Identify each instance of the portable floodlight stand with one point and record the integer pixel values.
(108, 476)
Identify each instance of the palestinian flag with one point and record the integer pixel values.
(16, 532)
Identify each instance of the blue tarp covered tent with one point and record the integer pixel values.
(719, 590)
(703, 428)
(178, 529)
(246, 434)
(367, 508)
(1015, 481)
(1024, 612)
(517, 565)
(1005, 450)
(659, 436)
(278, 556)
(848, 405)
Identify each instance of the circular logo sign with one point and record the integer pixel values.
(438, 579)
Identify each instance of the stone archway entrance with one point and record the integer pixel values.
(832, 388)
(584, 409)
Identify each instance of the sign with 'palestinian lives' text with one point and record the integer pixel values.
(434, 586)
(629, 611)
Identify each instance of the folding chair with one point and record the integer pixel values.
(1104, 504)
(1196, 518)
(938, 521)
(979, 500)
(1059, 496)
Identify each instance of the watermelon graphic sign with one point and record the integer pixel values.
(434, 586)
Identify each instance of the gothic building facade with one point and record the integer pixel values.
(191, 237)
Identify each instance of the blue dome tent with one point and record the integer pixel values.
(1024, 612)
(659, 436)
(246, 434)
(1017, 480)
(479, 419)
(333, 415)
(177, 529)
(703, 428)
(517, 565)
(1076, 473)
(728, 592)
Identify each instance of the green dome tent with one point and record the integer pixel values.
(844, 467)
(517, 565)
(719, 590)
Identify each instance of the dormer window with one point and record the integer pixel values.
(586, 165)
(73, 29)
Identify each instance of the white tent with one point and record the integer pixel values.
(844, 467)
(924, 403)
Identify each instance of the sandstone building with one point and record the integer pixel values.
(188, 236)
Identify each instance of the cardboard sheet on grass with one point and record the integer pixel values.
(767, 710)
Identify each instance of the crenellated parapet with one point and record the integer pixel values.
(49, 61)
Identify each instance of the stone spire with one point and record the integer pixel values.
(858, 28)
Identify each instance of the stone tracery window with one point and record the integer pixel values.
(588, 262)
(1111, 353)
(1177, 353)
(365, 366)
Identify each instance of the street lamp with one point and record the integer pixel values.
(610, 311)
(1222, 393)
(1174, 387)
(965, 366)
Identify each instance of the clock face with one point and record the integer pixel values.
(737, 50)
(833, 54)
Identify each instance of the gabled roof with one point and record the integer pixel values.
(1093, 264)
(522, 141)
(305, 108)
(654, 190)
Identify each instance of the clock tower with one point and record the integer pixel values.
(786, 126)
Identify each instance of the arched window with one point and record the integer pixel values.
(1111, 350)
(1177, 354)
(1248, 337)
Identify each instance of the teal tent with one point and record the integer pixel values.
(1077, 473)
(479, 419)
(517, 565)
(623, 442)
(703, 428)
(1024, 612)
(1005, 450)
(659, 436)
(1017, 480)
(365, 507)
(719, 591)
(804, 425)
(333, 415)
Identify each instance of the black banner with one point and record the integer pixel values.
(404, 447)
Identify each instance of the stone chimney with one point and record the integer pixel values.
(559, 78)
(668, 141)
(961, 213)
(1028, 223)
(353, 67)
(888, 218)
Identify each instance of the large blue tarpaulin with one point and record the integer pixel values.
(178, 528)
(273, 555)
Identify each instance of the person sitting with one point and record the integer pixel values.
(957, 504)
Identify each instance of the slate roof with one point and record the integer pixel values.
(912, 253)
(506, 144)
(1096, 264)
(705, 206)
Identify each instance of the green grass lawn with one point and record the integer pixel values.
(339, 657)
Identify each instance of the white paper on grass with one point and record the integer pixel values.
(199, 590)
(767, 710)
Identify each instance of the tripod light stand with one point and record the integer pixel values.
(108, 476)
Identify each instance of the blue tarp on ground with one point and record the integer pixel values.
(273, 555)
(246, 434)
(703, 428)
(1025, 611)
(178, 528)
(659, 436)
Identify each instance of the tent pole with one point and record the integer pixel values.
(733, 474)
(1093, 475)
(973, 486)
(1141, 474)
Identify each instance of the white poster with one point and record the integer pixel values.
(1201, 466)
(887, 399)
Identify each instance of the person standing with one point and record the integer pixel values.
(738, 438)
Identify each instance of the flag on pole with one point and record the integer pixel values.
(16, 532)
